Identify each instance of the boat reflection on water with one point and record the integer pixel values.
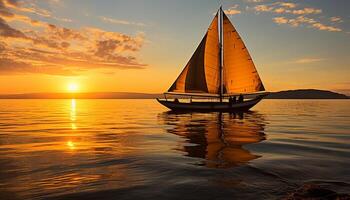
(218, 138)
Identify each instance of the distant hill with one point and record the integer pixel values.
(290, 94)
(306, 94)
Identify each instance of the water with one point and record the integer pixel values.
(135, 149)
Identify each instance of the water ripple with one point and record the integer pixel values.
(136, 149)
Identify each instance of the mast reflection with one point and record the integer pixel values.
(217, 137)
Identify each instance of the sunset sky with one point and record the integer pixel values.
(142, 45)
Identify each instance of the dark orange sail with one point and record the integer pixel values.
(201, 74)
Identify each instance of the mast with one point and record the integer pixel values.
(221, 54)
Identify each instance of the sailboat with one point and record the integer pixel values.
(220, 70)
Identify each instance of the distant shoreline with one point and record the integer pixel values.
(288, 94)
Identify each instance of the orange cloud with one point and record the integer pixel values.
(288, 5)
(295, 22)
(280, 20)
(8, 67)
(62, 51)
(325, 27)
(232, 10)
(22, 6)
(8, 31)
(279, 10)
(263, 8)
(284, 7)
(308, 60)
(307, 11)
(301, 20)
(289, 8)
(336, 19)
(123, 22)
(254, 1)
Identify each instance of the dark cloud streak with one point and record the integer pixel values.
(8, 31)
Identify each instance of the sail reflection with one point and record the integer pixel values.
(217, 137)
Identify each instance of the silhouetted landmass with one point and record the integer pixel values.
(306, 94)
(290, 94)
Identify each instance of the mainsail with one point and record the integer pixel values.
(240, 75)
(202, 72)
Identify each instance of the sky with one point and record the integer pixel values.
(143, 45)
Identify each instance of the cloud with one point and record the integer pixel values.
(62, 33)
(336, 19)
(55, 2)
(326, 28)
(14, 60)
(4, 11)
(295, 22)
(22, 6)
(122, 22)
(7, 31)
(286, 12)
(307, 11)
(288, 5)
(24, 19)
(62, 19)
(308, 60)
(280, 10)
(280, 20)
(309, 22)
(27, 7)
(254, 1)
(300, 20)
(8, 66)
(58, 50)
(290, 8)
(284, 7)
(232, 10)
(263, 8)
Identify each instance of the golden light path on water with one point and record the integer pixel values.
(71, 144)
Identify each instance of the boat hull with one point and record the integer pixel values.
(210, 106)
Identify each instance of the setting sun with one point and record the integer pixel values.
(73, 87)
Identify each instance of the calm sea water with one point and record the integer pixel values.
(136, 149)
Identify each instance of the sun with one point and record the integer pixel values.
(73, 87)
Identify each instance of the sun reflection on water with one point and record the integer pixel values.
(71, 145)
(73, 113)
(73, 126)
(73, 110)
